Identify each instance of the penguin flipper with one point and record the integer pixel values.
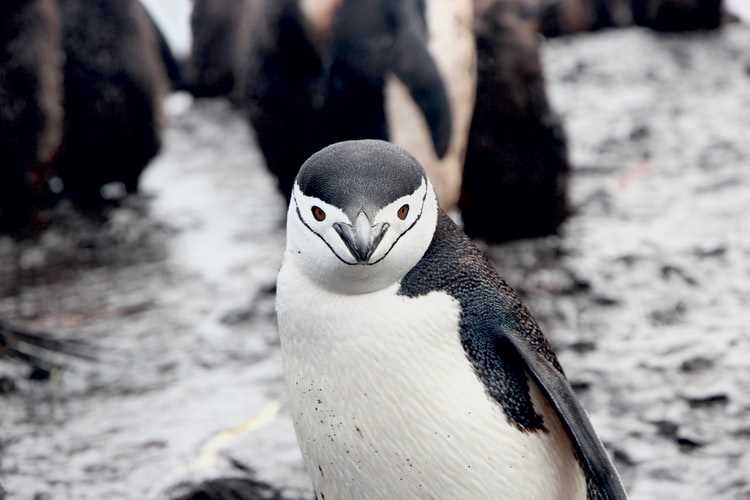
(416, 68)
(591, 453)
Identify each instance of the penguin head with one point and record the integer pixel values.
(361, 215)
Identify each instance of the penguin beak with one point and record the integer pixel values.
(362, 238)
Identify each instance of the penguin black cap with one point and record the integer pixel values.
(360, 175)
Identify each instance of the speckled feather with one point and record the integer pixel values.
(455, 265)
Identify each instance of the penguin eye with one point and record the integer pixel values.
(319, 214)
(403, 212)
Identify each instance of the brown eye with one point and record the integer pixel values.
(403, 212)
(319, 214)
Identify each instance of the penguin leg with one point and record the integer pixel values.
(416, 68)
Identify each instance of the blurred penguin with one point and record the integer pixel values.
(678, 15)
(516, 169)
(451, 44)
(218, 60)
(30, 104)
(114, 84)
(318, 73)
(284, 90)
(564, 17)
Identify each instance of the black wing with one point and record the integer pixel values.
(594, 458)
(416, 68)
(503, 343)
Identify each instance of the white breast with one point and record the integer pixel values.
(453, 48)
(386, 405)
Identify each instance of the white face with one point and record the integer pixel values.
(361, 255)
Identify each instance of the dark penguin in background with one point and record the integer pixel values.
(30, 104)
(678, 15)
(318, 70)
(516, 169)
(114, 84)
(564, 17)
(221, 31)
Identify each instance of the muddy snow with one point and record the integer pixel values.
(645, 295)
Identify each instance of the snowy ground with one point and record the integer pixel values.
(646, 294)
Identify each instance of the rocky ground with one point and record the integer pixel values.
(645, 295)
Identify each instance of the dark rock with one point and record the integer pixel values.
(669, 316)
(696, 364)
(238, 316)
(710, 252)
(605, 300)
(669, 270)
(7, 386)
(667, 428)
(229, 489)
(640, 133)
(39, 374)
(580, 386)
(709, 401)
(622, 457)
(583, 346)
(688, 445)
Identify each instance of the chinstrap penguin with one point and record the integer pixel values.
(414, 371)
(318, 72)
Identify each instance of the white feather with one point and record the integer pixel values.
(386, 405)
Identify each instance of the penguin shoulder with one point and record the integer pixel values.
(508, 350)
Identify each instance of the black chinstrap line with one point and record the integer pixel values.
(299, 214)
(421, 211)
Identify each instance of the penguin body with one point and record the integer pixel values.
(414, 371)
(451, 43)
(318, 73)
(574, 16)
(114, 84)
(284, 91)
(516, 160)
(30, 104)
(221, 34)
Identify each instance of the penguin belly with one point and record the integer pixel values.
(451, 43)
(386, 405)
